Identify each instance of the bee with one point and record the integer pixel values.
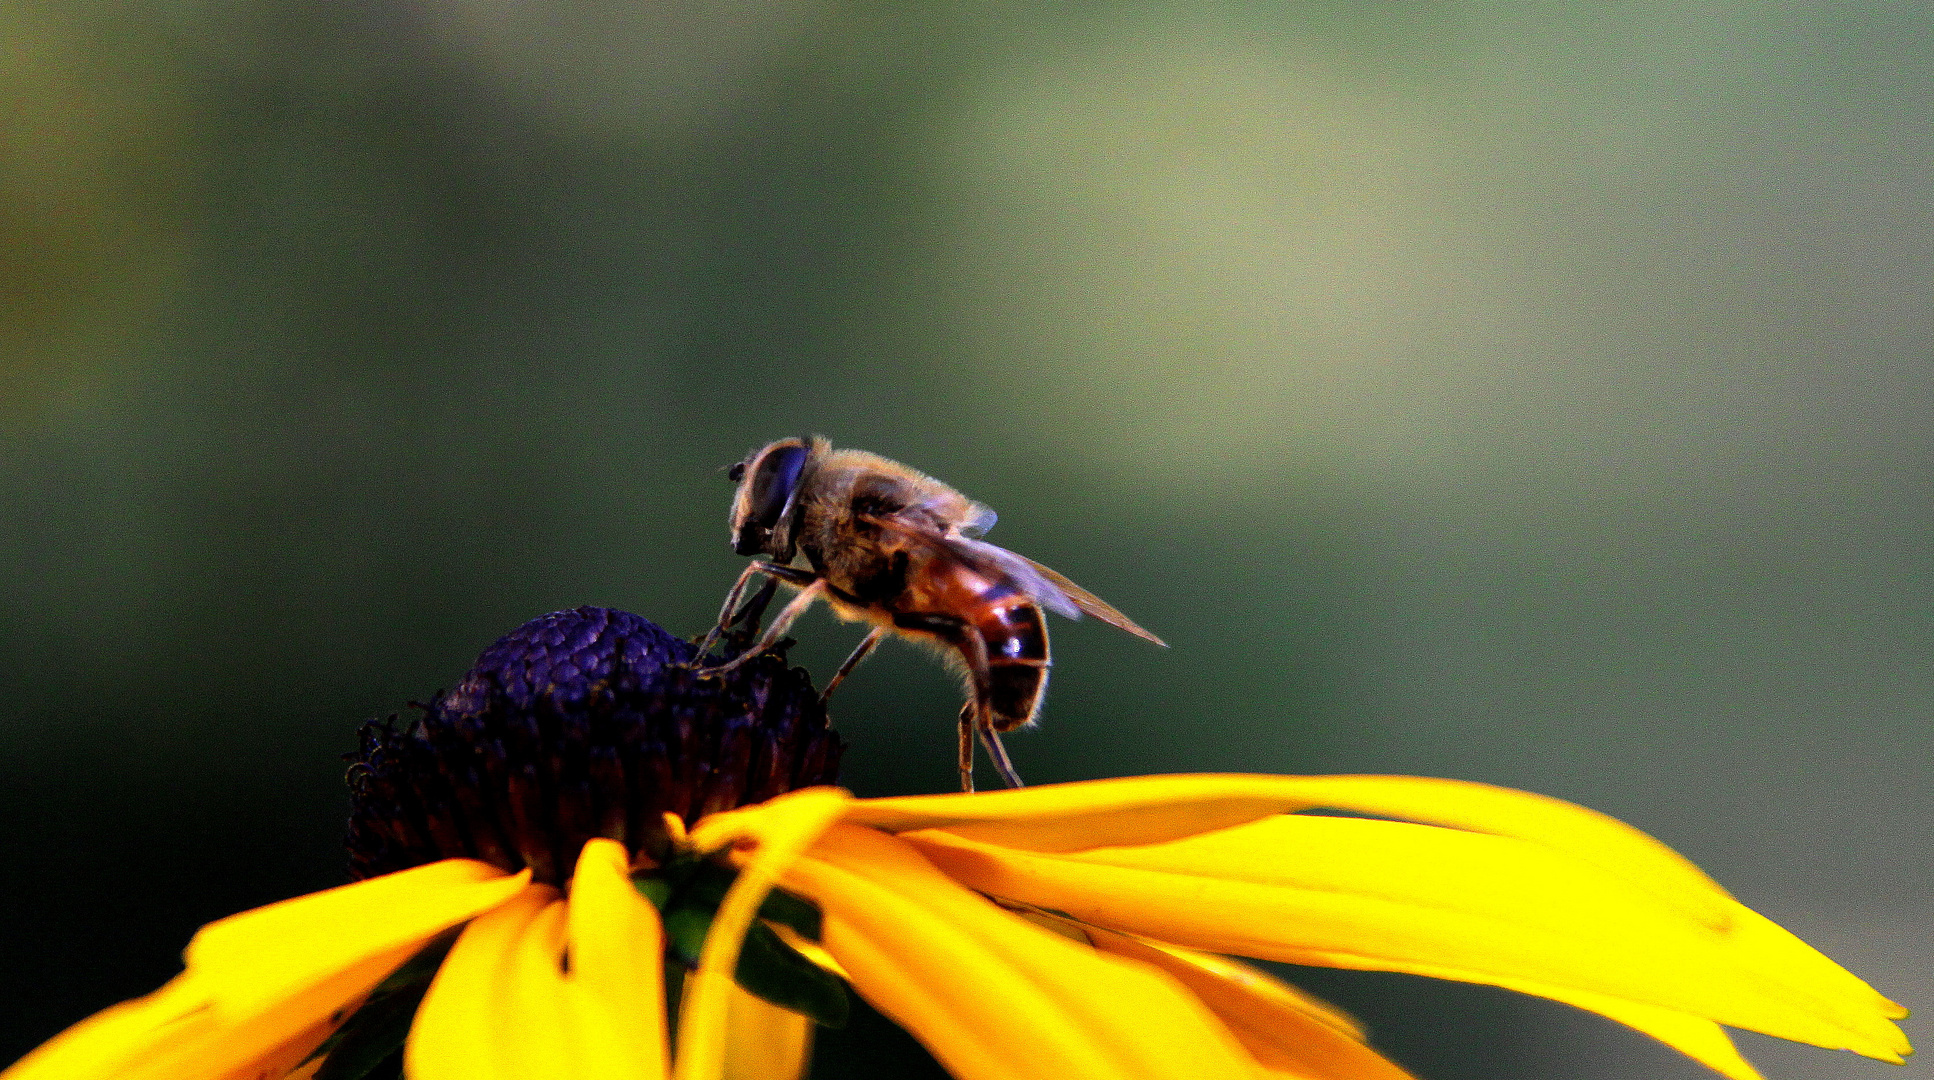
(887, 545)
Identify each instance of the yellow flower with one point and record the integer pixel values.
(1073, 931)
(534, 906)
(1164, 874)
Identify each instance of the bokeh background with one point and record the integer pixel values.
(1540, 394)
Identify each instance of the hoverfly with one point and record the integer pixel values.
(887, 545)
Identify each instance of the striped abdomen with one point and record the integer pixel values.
(995, 627)
(1017, 660)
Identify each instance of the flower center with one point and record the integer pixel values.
(580, 724)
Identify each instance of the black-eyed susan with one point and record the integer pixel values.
(1076, 930)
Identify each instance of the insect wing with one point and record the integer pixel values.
(1048, 587)
(980, 519)
(1085, 600)
(995, 562)
(1023, 572)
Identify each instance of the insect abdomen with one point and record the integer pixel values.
(1017, 662)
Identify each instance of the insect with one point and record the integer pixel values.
(887, 545)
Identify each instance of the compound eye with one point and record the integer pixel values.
(774, 478)
(736, 473)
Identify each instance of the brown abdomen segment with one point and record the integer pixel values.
(1017, 661)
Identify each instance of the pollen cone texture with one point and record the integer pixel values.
(584, 723)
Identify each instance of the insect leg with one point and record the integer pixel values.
(791, 575)
(967, 747)
(991, 739)
(756, 606)
(726, 617)
(974, 650)
(780, 624)
(859, 653)
(958, 633)
(747, 617)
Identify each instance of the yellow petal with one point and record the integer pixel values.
(547, 1033)
(782, 829)
(991, 995)
(174, 1033)
(764, 1041)
(106, 1043)
(759, 820)
(283, 1060)
(1154, 809)
(467, 1026)
(1287, 1031)
(1481, 908)
(505, 1006)
(1586, 835)
(257, 958)
(270, 983)
(618, 954)
(1694, 1036)
(1091, 813)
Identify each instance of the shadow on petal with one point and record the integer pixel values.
(991, 995)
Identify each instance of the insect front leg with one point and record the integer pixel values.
(744, 625)
(726, 617)
(814, 588)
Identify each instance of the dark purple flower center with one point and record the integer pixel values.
(582, 723)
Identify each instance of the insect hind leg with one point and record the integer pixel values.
(981, 709)
(967, 747)
(977, 716)
(997, 753)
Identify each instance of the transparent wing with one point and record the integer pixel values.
(1048, 587)
(1087, 601)
(982, 519)
(1053, 590)
(1025, 573)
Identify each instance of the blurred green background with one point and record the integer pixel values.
(1536, 394)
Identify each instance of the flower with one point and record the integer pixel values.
(953, 913)
(1076, 930)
